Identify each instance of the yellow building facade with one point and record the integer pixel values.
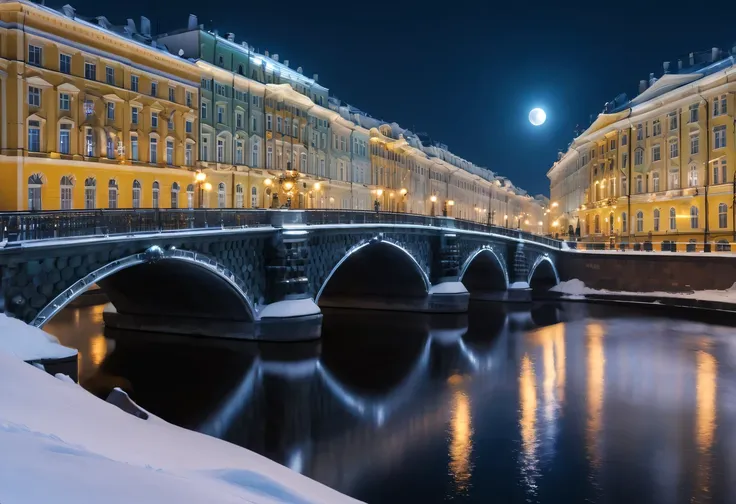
(659, 170)
(92, 119)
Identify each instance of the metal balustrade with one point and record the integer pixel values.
(50, 225)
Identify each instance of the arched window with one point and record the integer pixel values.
(610, 223)
(221, 195)
(156, 188)
(694, 217)
(597, 224)
(692, 177)
(112, 194)
(673, 219)
(624, 223)
(190, 196)
(90, 193)
(303, 166)
(639, 184)
(34, 191)
(254, 197)
(136, 194)
(175, 195)
(240, 69)
(722, 216)
(639, 221)
(656, 219)
(239, 196)
(655, 182)
(254, 154)
(67, 187)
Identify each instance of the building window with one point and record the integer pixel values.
(175, 195)
(67, 186)
(65, 130)
(624, 160)
(188, 154)
(269, 122)
(694, 217)
(254, 154)
(322, 167)
(110, 148)
(89, 108)
(624, 223)
(220, 114)
(239, 152)
(254, 197)
(156, 188)
(34, 192)
(656, 128)
(694, 108)
(639, 221)
(90, 193)
(169, 152)
(674, 180)
(655, 182)
(656, 156)
(656, 219)
(278, 124)
(673, 219)
(639, 133)
(722, 216)
(189, 98)
(136, 194)
(35, 55)
(111, 111)
(673, 121)
(204, 110)
(63, 101)
(720, 137)
(90, 71)
(153, 152)
(220, 150)
(674, 148)
(170, 123)
(205, 148)
(65, 63)
(221, 195)
(154, 88)
(624, 186)
(597, 224)
(112, 194)
(694, 144)
(303, 162)
(239, 120)
(720, 106)
(154, 119)
(134, 115)
(89, 142)
(34, 96)
(188, 126)
(134, 83)
(110, 75)
(692, 177)
(639, 184)
(190, 196)
(638, 157)
(134, 147)
(239, 199)
(269, 156)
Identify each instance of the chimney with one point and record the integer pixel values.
(666, 67)
(315, 77)
(642, 86)
(275, 57)
(652, 80)
(299, 70)
(692, 59)
(131, 26)
(714, 54)
(68, 11)
(265, 53)
(230, 37)
(102, 22)
(286, 63)
(245, 45)
(192, 24)
(145, 26)
(679, 65)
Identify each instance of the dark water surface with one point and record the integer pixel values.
(563, 403)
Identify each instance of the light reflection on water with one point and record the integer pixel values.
(560, 404)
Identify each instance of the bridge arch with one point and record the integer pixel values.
(376, 269)
(543, 273)
(164, 283)
(484, 272)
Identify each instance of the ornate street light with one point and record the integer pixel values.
(200, 177)
(433, 199)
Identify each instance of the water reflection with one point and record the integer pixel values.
(557, 404)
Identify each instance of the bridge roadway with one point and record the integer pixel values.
(261, 274)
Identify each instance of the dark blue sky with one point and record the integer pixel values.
(465, 72)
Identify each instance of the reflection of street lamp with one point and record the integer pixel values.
(200, 177)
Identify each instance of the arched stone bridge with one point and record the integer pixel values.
(268, 281)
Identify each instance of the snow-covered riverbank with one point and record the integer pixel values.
(59, 443)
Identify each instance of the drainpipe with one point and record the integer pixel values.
(706, 248)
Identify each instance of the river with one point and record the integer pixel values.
(561, 403)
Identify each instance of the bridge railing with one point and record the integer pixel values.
(49, 225)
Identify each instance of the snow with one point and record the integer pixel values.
(29, 343)
(290, 308)
(62, 444)
(448, 288)
(576, 289)
(519, 285)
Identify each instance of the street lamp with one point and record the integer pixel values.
(200, 177)
(433, 199)
(506, 220)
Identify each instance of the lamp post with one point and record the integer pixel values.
(505, 220)
(403, 193)
(200, 177)
(266, 193)
(433, 199)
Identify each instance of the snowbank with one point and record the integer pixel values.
(519, 285)
(29, 343)
(290, 308)
(576, 289)
(62, 444)
(448, 288)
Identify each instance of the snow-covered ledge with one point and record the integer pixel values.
(290, 308)
(448, 288)
(519, 292)
(30, 343)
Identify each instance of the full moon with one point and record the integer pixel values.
(537, 117)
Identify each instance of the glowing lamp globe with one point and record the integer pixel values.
(537, 117)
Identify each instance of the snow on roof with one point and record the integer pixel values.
(667, 82)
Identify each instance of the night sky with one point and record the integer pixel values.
(465, 72)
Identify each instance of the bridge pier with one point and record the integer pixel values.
(519, 289)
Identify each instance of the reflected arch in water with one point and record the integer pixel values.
(379, 270)
(484, 274)
(164, 283)
(543, 274)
